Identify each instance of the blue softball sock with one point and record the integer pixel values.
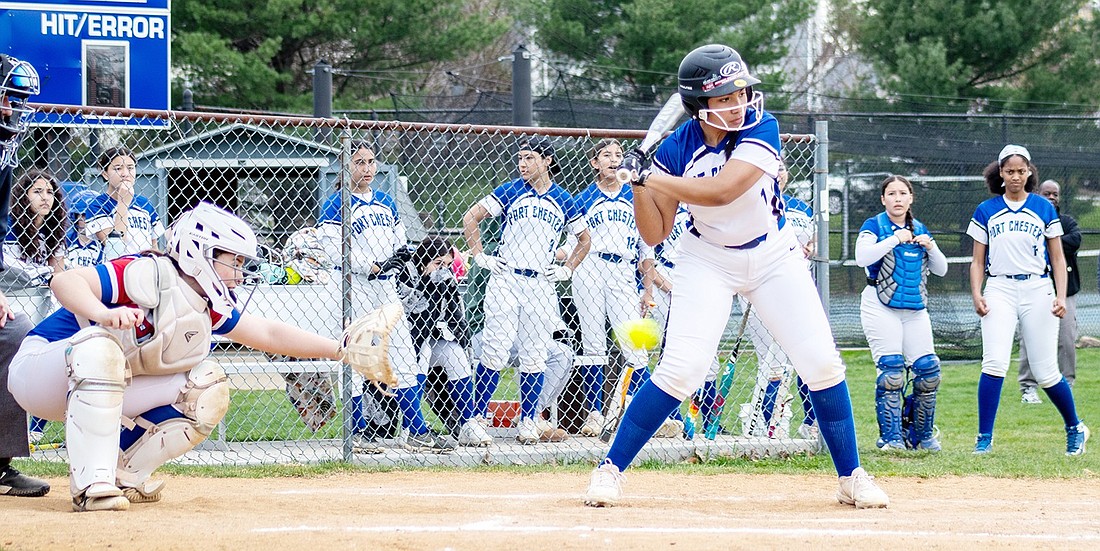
(412, 418)
(807, 407)
(593, 387)
(989, 397)
(37, 424)
(768, 403)
(647, 411)
(530, 386)
(462, 394)
(1061, 395)
(834, 416)
(358, 422)
(484, 387)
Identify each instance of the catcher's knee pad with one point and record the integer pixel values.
(97, 378)
(926, 374)
(168, 432)
(891, 372)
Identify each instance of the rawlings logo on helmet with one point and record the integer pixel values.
(732, 68)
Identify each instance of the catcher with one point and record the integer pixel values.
(124, 361)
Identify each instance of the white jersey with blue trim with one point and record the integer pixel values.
(81, 253)
(610, 221)
(1015, 234)
(532, 223)
(142, 220)
(376, 229)
(757, 211)
(800, 218)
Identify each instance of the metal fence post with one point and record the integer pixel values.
(821, 206)
(521, 87)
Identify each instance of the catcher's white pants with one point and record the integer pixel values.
(773, 277)
(605, 291)
(894, 330)
(1027, 302)
(449, 355)
(520, 311)
(368, 294)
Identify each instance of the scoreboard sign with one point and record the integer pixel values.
(99, 53)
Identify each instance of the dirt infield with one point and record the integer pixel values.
(498, 510)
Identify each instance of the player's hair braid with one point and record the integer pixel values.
(908, 212)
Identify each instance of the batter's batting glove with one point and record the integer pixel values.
(557, 272)
(634, 168)
(492, 263)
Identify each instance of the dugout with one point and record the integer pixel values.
(276, 181)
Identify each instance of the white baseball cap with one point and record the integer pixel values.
(1010, 150)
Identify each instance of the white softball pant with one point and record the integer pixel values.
(773, 277)
(605, 291)
(1028, 303)
(662, 301)
(891, 331)
(449, 355)
(368, 294)
(559, 365)
(520, 311)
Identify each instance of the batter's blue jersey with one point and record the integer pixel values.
(758, 210)
(1016, 238)
(532, 223)
(610, 221)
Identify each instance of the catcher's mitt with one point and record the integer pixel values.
(366, 344)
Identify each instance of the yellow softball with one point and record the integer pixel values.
(639, 333)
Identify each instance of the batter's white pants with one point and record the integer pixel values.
(606, 291)
(1028, 303)
(894, 330)
(773, 277)
(520, 311)
(369, 294)
(662, 301)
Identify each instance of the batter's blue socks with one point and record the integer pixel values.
(408, 399)
(486, 385)
(989, 397)
(593, 387)
(648, 410)
(462, 393)
(833, 406)
(530, 387)
(1062, 397)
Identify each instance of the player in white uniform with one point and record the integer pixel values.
(768, 411)
(82, 250)
(126, 223)
(123, 362)
(605, 287)
(520, 300)
(723, 165)
(1016, 237)
(377, 243)
(898, 252)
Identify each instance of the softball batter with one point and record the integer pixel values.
(898, 253)
(723, 165)
(1017, 244)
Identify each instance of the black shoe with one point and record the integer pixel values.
(14, 483)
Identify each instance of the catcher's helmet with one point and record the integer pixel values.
(713, 71)
(19, 82)
(197, 236)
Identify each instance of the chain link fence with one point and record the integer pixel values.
(277, 172)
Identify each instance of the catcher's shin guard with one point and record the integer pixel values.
(926, 381)
(171, 431)
(888, 390)
(97, 379)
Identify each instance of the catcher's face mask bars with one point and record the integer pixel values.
(244, 277)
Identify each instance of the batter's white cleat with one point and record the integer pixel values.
(473, 434)
(860, 490)
(528, 432)
(593, 425)
(100, 496)
(605, 488)
(147, 492)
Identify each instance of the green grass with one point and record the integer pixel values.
(1029, 440)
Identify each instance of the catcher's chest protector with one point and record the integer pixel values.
(176, 334)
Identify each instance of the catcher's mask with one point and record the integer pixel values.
(20, 82)
(194, 240)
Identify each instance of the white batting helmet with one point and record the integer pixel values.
(197, 236)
